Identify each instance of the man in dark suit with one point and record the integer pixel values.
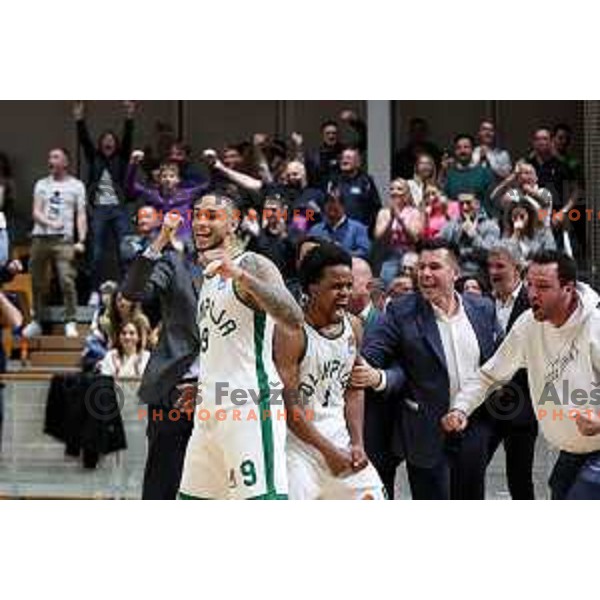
(439, 340)
(513, 422)
(381, 424)
(168, 283)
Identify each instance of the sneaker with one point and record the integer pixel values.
(71, 329)
(94, 300)
(34, 329)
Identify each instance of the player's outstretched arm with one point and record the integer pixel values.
(259, 283)
(288, 350)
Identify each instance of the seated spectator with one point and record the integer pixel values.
(471, 284)
(523, 225)
(522, 186)
(425, 175)
(409, 266)
(58, 203)
(462, 177)
(418, 143)
(356, 188)
(323, 164)
(438, 211)
(170, 196)
(98, 339)
(129, 356)
(7, 199)
(147, 226)
(399, 286)
(189, 174)
(119, 311)
(298, 197)
(272, 239)
(561, 141)
(488, 155)
(398, 228)
(106, 168)
(341, 229)
(473, 232)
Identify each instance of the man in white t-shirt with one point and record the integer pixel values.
(58, 213)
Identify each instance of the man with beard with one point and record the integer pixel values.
(238, 451)
(558, 342)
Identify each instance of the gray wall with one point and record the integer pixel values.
(515, 119)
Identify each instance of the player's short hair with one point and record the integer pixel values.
(223, 200)
(326, 254)
(567, 267)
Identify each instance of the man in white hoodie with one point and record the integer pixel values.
(558, 342)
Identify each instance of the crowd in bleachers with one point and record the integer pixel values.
(472, 196)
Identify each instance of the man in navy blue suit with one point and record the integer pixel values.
(439, 339)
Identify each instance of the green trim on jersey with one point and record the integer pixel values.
(266, 426)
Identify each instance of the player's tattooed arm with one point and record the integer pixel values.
(354, 408)
(289, 347)
(259, 284)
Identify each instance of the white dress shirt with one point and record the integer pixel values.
(504, 309)
(460, 344)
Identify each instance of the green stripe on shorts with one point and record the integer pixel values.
(266, 425)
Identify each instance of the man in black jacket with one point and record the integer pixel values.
(513, 422)
(106, 169)
(169, 284)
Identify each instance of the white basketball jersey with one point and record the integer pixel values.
(235, 347)
(324, 376)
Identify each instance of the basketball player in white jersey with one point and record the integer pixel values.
(237, 448)
(326, 457)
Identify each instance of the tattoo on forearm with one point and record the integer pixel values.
(266, 289)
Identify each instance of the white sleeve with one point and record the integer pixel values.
(498, 370)
(80, 196)
(595, 342)
(106, 366)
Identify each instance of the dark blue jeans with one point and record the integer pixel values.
(576, 477)
(106, 219)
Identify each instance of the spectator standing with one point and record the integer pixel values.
(58, 205)
(425, 175)
(106, 169)
(398, 228)
(323, 164)
(462, 177)
(418, 143)
(488, 154)
(180, 154)
(356, 188)
(170, 196)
